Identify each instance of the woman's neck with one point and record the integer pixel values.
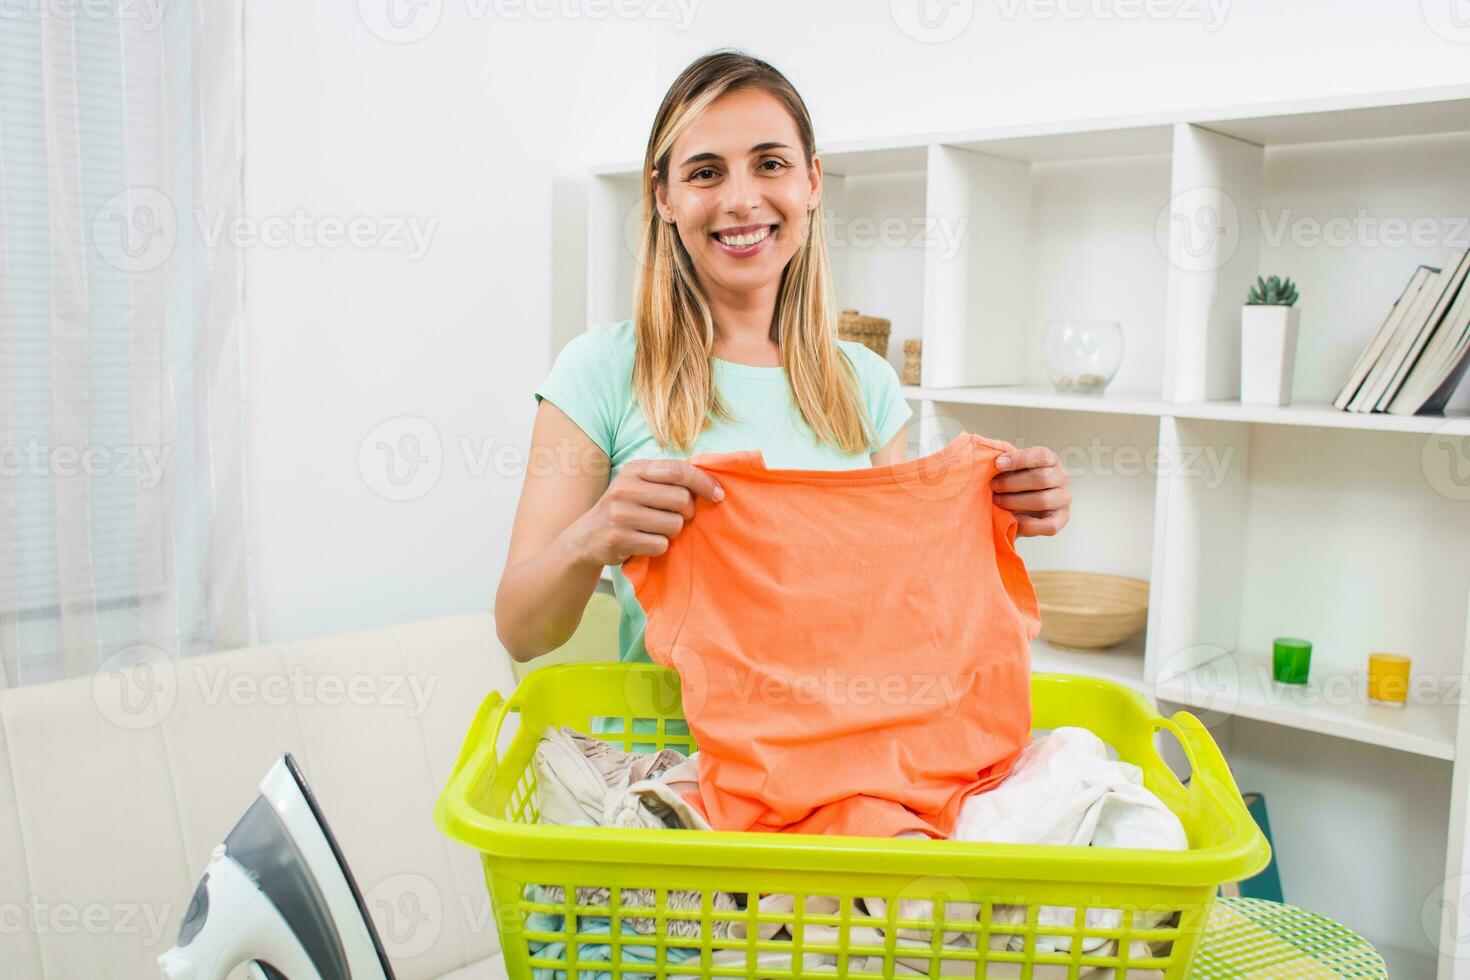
(743, 327)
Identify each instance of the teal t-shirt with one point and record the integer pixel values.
(592, 382)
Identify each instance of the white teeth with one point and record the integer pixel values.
(740, 241)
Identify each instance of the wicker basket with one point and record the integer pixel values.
(1088, 610)
(913, 351)
(871, 331)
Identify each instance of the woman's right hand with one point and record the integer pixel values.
(645, 505)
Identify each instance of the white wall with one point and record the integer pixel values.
(480, 127)
(486, 124)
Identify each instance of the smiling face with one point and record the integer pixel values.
(740, 191)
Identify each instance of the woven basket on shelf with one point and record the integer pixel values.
(913, 351)
(1088, 610)
(871, 331)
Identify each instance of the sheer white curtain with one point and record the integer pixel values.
(122, 510)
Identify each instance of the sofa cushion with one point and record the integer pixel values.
(490, 968)
(117, 787)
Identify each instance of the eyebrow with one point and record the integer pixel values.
(700, 157)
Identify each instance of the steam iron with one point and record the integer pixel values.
(277, 898)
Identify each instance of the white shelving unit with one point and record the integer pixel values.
(1249, 522)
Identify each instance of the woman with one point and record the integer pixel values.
(733, 346)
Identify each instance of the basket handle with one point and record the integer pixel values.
(1212, 777)
(1206, 764)
(488, 716)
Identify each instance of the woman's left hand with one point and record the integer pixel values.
(1034, 485)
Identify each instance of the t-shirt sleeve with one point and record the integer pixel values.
(583, 383)
(883, 395)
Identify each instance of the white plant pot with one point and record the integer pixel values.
(1267, 354)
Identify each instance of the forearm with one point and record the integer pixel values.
(541, 600)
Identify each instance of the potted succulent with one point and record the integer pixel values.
(1268, 327)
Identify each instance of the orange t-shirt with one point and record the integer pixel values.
(853, 646)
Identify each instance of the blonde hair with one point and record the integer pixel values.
(672, 373)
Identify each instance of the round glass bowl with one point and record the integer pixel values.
(1082, 355)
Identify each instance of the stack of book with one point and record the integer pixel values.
(1419, 353)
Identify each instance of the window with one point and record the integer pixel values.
(121, 483)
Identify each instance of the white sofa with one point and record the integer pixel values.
(109, 808)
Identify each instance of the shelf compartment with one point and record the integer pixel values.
(878, 236)
(1348, 217)
(1255, 548)
(1045, 228)
(1326, 704)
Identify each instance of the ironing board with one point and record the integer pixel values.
(1249, 937)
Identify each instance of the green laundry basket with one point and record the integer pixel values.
(490, 805)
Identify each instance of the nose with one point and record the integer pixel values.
(741, 196)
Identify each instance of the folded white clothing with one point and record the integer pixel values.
(1064, 789)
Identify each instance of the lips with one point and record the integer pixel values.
(751, 239)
